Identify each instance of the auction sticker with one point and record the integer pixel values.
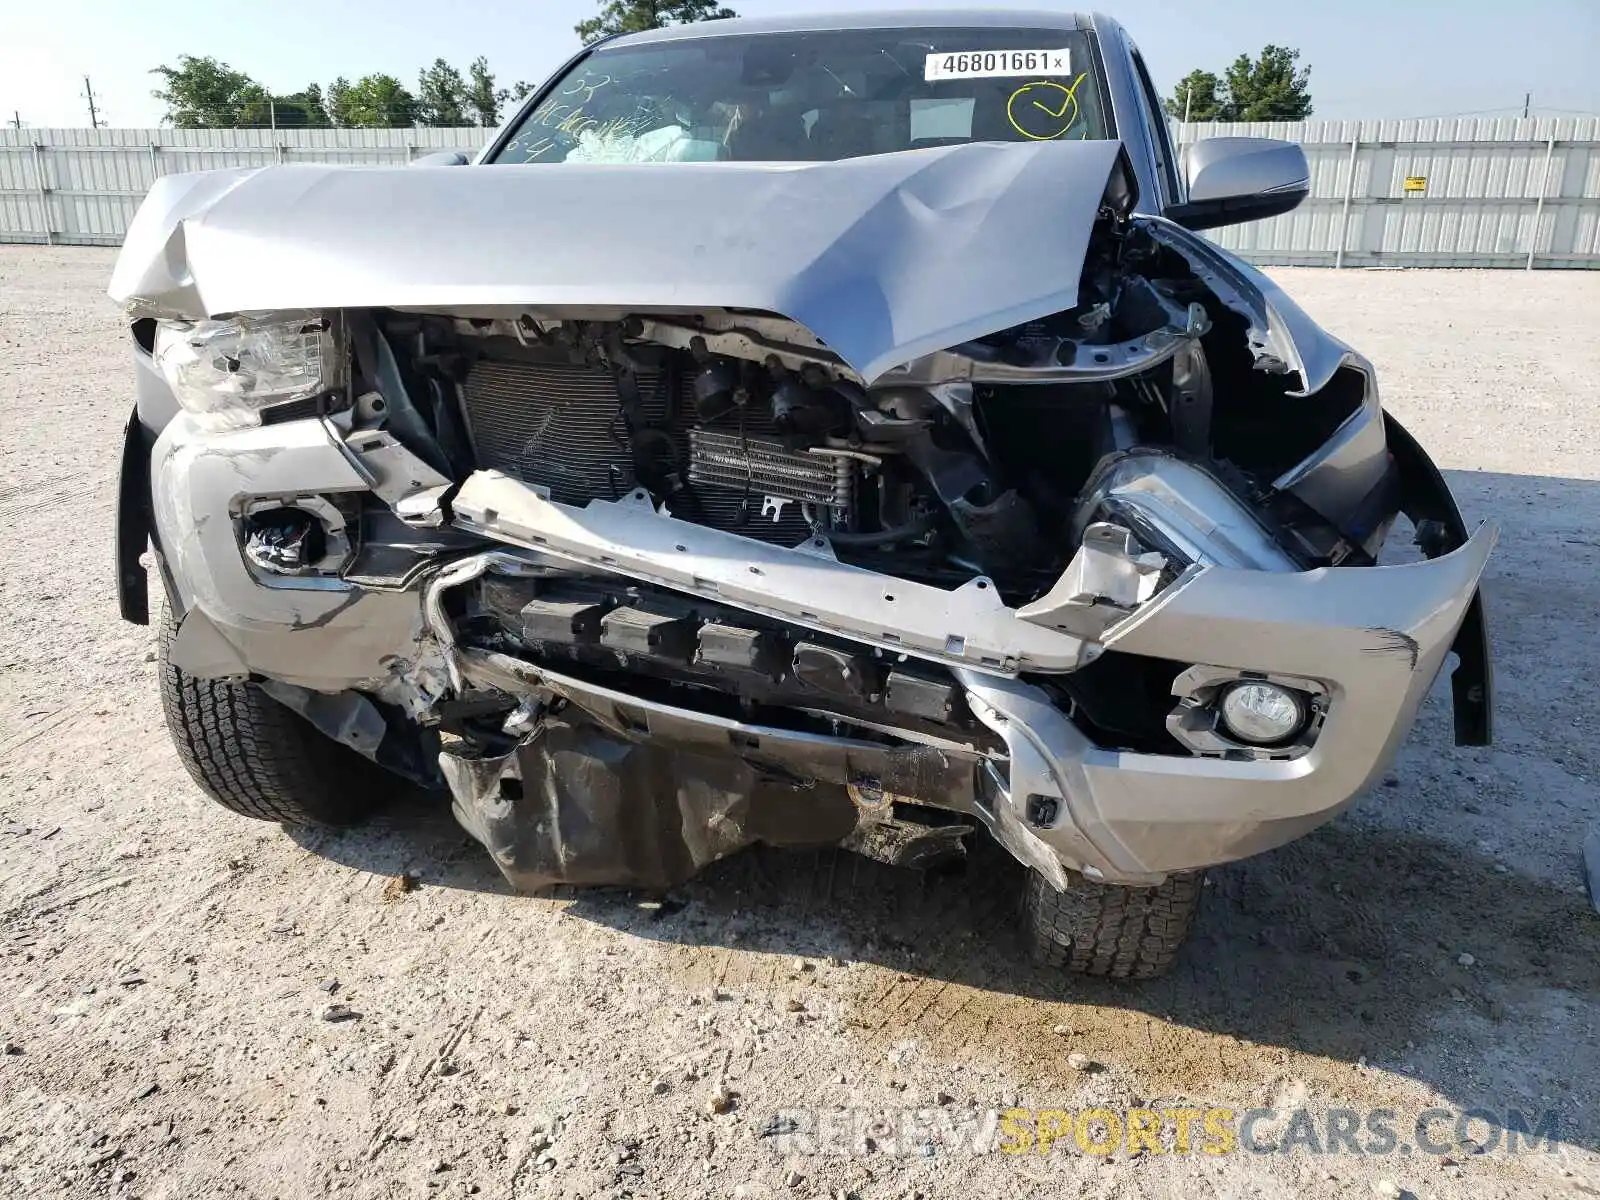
(995, 64)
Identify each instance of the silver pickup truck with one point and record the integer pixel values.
(807, 432)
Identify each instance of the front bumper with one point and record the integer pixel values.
(1374, 638)
(324, 634)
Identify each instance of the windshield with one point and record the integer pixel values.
(821, 96)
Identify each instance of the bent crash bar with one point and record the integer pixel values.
(1373, 637)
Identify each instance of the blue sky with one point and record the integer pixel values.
(1369, 58)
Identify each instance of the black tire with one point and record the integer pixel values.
(257, 758)
(1115, 932)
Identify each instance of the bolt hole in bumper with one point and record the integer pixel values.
(1372, 639)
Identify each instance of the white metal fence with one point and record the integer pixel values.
(1428, 193)
(1454, 192)
(81, 186)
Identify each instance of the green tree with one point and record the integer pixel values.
(1198, 97)
(202, 92)
(304, 109)
(632, 16)
(372, 100)
(1270, 88)
(1266, 89)
(483, 98)
(442, 97)
(254, 107)
(521, 90)
(339, 102)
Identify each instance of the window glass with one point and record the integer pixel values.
(814, 96)
(1160, 132)
(931, 119)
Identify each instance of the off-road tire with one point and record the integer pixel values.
(260, 759)
(1115, 932)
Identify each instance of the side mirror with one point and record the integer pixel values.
(442, 158)
(1237, 179)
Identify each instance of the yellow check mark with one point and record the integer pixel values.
(1062, 114)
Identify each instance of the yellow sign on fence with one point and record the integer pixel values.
(1416, 183)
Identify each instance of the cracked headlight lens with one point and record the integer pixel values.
(226, 372)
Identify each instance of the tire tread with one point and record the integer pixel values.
(1109, 931)
(257, 758)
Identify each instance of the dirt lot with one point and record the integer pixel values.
(167, 966)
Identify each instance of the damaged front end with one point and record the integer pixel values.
(865, 553)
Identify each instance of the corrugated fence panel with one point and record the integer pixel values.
(82, 186)
(1444, 192)
(1452, 192)
(22, 194)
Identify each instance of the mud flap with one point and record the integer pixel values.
(1425, 496)
(134, 523)
(576, 804)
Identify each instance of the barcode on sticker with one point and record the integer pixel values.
(995, 64)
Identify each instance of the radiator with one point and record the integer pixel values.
(558, 427)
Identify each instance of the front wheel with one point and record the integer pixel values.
(1111, 931)
(257, 758)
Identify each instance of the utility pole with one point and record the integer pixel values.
(94, 113)
(1527, 99)
(16, 119)
(272, 111)
(1188, 98)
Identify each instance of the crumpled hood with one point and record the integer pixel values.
(884, 258)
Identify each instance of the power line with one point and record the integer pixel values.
(1505, 109)
(1509, 109)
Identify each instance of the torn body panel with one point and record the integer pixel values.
(577, 804)
(820, 538)
(621, 790)
(1116, 816)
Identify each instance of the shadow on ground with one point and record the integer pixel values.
(1342, 946)
(416, 833)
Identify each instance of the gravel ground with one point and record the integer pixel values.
(168, 968)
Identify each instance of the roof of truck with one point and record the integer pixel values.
(905, 18)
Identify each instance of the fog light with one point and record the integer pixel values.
(1262, 713)
(284, 541)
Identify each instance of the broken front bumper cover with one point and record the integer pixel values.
(1373, 637)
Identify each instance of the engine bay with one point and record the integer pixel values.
(990, 465)
(969, 463)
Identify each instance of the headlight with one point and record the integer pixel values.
(1262, 713)
(226, 372)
